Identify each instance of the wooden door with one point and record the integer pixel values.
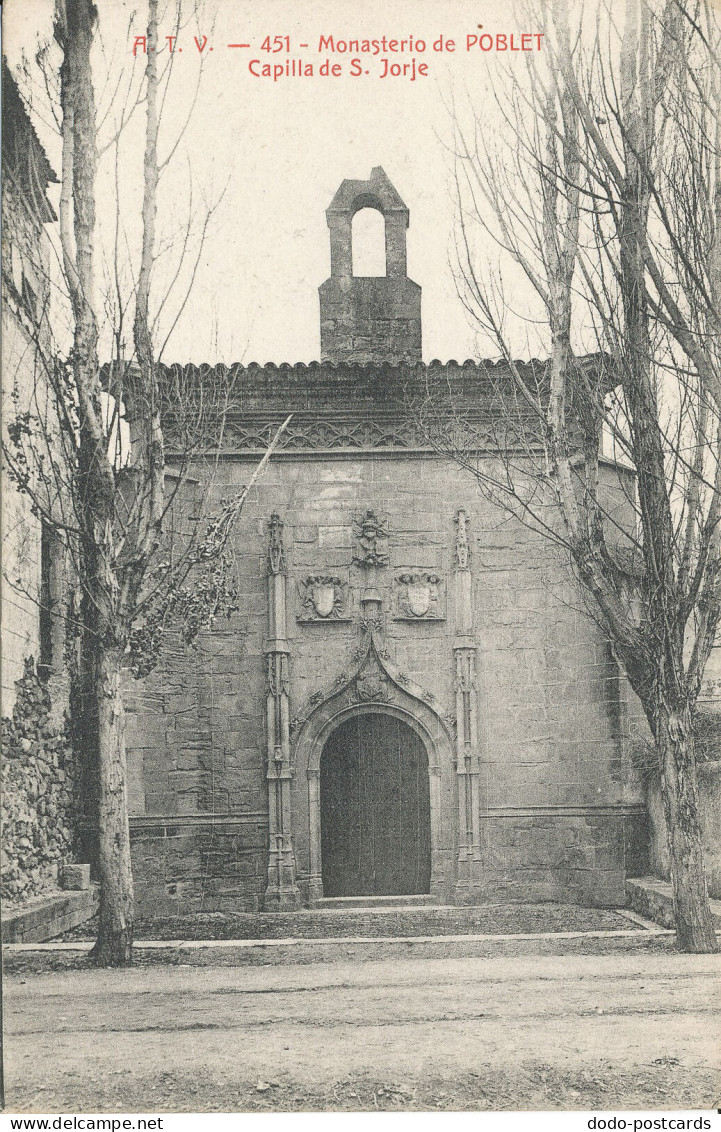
(375, 809)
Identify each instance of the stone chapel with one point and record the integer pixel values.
(411, 701)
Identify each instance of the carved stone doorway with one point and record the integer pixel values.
(375, 809)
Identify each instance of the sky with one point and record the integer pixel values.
(278, 150)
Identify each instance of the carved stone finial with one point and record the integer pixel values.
(276, 553)
(462, 547)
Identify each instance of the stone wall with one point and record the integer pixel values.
(709, 783)
(561, 809)
(38, 797)
(370, 318)
(196, 786)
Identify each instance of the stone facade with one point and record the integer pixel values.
(380, 592)
(519, 705)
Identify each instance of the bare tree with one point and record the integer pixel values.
(94, 465)
(604, 192)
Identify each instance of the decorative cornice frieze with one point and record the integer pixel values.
(347, 432)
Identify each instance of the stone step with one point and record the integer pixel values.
(652, 898)
(18, 958)
(44, 917)
(384, 903)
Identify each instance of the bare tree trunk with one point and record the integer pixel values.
(607, 135)
(115, 938)
(75, 25)
(679, 789)
(671, 723)
(114, 944)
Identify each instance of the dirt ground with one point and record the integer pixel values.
(546, 1032)
(494, 919)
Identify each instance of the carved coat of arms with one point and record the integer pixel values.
(370, 533)
(371, 683)
(419, 595)
(322, 598)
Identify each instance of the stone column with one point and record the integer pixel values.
(315, 880)
(282, 891)
(341, 240)
(469, 879)
(396, 224)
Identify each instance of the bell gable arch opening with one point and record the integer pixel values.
(368, 242)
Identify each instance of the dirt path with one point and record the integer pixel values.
(546, 1032)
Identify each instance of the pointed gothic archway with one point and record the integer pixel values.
(376, 687)
(375, 809)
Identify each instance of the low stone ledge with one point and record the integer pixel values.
(281, 952)
(651, 897)
(48, 916)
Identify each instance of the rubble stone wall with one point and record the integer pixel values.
(38, 797)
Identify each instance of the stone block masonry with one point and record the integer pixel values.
(46, 917)
(75, 878)
(199, 863)
(556, 815)
(364, 318)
